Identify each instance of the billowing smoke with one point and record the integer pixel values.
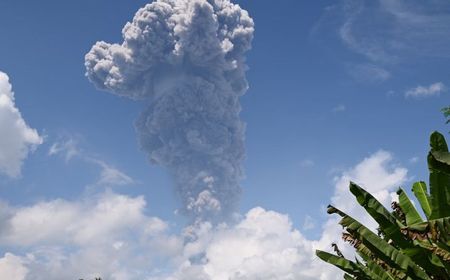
(186, 57)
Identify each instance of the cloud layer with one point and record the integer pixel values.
(113, 236)
(385, 33)
(18, 139)
(187, 59)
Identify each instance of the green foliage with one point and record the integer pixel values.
(408, 246)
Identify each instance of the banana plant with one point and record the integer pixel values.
(408, 245)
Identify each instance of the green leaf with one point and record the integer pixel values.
(411, 214)
(377, 270)
(439, 178)
(372, 266)
(437, 142)
(420, 191)
(340, 262)
(444, 158)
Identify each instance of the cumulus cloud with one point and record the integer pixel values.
(18, 139)
(187, 59)
(62, 221)
(421, 92)
(12, 267)
(109, 235)
(114, 239)
(264, 245)
(113, 236)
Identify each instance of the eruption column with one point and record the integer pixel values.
(186, 57)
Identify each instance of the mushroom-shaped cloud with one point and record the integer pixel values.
(186, 57)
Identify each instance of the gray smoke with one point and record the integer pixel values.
(186, 57)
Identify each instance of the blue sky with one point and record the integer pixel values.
(334, 87)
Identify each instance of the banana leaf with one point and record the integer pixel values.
(411, 214)
(439, 178)
(342, 263)
(420, 191)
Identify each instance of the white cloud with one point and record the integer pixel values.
(370, 48)
(69, 148)
(307, 163)
(368, 73)
(389, 30)
(309, 223)
(385, 33)
(17, 139)
(83, 222)
(12, 267)
(414, 160)
(390, 93)
(421, 92)
(339, 108)
(264, 245)
(109, 236)
(109, 175)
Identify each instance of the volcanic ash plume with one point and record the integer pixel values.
(187, 58)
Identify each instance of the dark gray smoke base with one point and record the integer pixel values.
(187, 58)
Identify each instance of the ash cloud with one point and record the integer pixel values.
(186, 59)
